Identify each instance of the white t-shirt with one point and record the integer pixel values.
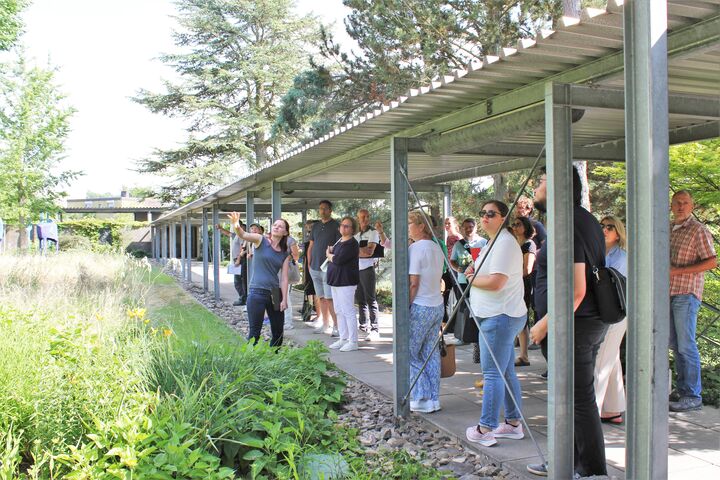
(371, 236)
(506, 258)
(426, 260)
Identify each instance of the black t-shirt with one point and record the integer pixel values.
(540, 234)
(587, 228)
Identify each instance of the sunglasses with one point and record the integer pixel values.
(516, 224)
(608, 226)
(488, 213)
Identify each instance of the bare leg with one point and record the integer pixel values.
(325, 308)
(523, 339)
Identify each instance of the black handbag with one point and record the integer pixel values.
(609, 287)
(465, 327)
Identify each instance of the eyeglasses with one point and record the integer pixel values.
(345, 225)
(608, 226)
(516, 224)
(488, 213)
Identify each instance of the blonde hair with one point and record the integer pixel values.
(416, 217)
(619, 228)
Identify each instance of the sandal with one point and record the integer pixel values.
(615, 419)
(520, 362)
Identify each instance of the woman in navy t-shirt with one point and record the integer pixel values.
(271, 257)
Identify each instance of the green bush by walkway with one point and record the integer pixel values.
(109, 370)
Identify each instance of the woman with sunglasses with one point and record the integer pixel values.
(426, 312)
(609, 387)
(496, 298)
(523, 230)
(343, 276)
(271, 256)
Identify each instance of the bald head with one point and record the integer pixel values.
(681, 205)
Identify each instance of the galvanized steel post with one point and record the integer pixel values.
(188, 248)
(447, 204)
(216, 250)
(183, 247)
(558, 141)
(401, 281)
(205, 248)
(276, 202)
(249, 218)
(646, 131)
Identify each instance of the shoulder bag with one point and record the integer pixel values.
(608, 285)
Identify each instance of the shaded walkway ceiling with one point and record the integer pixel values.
(489, 118)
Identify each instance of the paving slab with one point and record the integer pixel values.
(694, 452)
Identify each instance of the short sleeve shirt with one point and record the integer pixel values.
(690, 243)
(461, 254)
(235, 246)
(370, 236)
(323, 235)
(426, 260)
(504, 258)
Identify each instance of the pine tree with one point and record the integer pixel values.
(236, 59)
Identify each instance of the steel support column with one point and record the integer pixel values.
(558, 139)
(188, 249)
(205, 248)
(447, 204)
(401, 282)
(646, 130)
(165, 241)
(173, 244)
(216, 251)
(249, 218)
(183, 248)
(276, 201)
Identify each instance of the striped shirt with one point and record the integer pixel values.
(690, 243)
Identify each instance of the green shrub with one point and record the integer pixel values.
(74, 242)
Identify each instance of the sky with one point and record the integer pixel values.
(104, 52)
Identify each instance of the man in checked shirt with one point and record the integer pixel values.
(691, 254)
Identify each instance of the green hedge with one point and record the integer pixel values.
(91, 228)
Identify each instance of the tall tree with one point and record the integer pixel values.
(34, 122)
(237, 58)
(10, 22)
(403, 45)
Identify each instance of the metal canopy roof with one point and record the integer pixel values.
(585, 51)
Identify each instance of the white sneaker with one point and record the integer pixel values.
(338, 345)
(334, 333)
(289, 326)
(422, 406)
(320, 329)
(373, 336)
(436, 405)
(349, 347)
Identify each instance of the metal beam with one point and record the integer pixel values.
(276, 201)
(188, 249)
(447, 204)
(558, 135)
(697, 106)
(288, 187)
(646, 120)
(401, 282)
(486, 131)
(205, 249)
(320, 195)
(216, 251)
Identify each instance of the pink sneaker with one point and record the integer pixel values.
(505, 430)
(484, 439)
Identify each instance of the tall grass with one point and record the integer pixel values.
(68, 354)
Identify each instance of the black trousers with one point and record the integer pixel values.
(589, 440)
(366, 298)
(240, 282)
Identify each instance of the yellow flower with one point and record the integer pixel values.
(146, 321)
(167, 332)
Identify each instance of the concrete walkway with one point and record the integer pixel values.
(693, 453)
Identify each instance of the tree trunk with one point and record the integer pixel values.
(500, 186)
(582, 170)
(571, 8)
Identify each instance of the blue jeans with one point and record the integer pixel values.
(259, 301)
(683, 322)
(500, 332)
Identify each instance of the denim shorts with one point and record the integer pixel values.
(322, 289)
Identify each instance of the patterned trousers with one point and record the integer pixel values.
(424, 330)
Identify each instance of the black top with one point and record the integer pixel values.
(587, 227)
(343, 271)
(540, 233)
